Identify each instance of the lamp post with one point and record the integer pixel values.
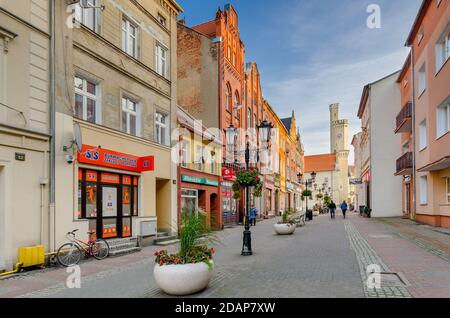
(265, 133)
(307, 183)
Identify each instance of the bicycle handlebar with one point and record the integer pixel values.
(73, 232)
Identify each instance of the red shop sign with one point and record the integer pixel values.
(228, 174)
(112, 159)
(367, 176)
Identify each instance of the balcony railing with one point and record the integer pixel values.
(405, 164)
(404, 119)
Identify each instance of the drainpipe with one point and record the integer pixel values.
(52, 126)
(413, 137)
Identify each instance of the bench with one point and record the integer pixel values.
(299, 218)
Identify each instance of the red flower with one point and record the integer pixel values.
(213, 251)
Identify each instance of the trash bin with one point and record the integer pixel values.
(309, 215)
(362, 208)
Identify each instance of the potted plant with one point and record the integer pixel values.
(287, 225)
(190, 270)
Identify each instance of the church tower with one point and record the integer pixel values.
(339, 144)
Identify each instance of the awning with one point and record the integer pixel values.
(441, 164)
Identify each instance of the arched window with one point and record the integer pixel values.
(236, 104)
(229, 101)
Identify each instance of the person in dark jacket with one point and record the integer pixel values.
(332, 207)
(344, 208)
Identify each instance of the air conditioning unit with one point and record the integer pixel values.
(149, 228)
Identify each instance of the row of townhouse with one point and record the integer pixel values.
(416, 102)
(87, 100)
(216, 86)
(89, 105)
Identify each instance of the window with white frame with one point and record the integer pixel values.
(442, 49)
(185, 153)
(130, 116)
(249, 118)
(423, 135)
(87, 12)
(213, 161)
(422, 79)
(442, 120)
(423, 189)
(161, 62)
(87, 106)
(161, 128)
(130, 37)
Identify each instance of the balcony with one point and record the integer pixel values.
(404, 119)
(405, 164)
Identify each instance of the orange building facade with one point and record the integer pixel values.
(429, 41)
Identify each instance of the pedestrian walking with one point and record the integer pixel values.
(253, 215)
(344, 208)
(332, 206)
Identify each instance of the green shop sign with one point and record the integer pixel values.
(197, 180)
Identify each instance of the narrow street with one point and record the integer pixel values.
(326, 258)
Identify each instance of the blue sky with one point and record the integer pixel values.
(314, 53)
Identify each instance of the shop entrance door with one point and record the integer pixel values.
(107, 224)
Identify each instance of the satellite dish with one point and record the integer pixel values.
(78, 137)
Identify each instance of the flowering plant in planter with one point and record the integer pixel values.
(194, 235)
(190, 269)
(286, 217)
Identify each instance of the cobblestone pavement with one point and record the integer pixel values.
(326, 258)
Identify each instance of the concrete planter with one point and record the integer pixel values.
(285, 229)
(182, 280)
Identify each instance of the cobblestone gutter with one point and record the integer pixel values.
(367, 256)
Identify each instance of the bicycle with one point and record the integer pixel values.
(69, 254)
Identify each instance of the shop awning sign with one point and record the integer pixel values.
(116, 160)
(204, 181)
(228, 174)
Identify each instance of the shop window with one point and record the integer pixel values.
(126, 200)
(109, 228)
(189, 201)
(87, 105)
(126, 228)
(91, 200)
(135, 201)
(448, 190)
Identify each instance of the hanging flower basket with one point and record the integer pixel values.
(248, 178)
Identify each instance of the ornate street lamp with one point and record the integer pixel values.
(307, 183)
(265, 133)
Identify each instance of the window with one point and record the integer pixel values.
(236, 105)
(423, 135)
(130, 117)
(448, 190)
(422, 79)
(420, 36)
(162, 128)
(199, 157)
(442, 49)
(86, 100)
(161, 60)
(162, 20)
(406, 148)
(87, 12)
(249, 118)
(185, 153)
(189, 201)
(213, 162)
(423, 190)
(442, 120)
(130, 38)
(228, 98)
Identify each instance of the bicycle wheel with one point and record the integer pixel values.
(69, 254)
(100, 249)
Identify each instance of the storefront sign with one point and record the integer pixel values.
(204, 181)
(356, 181)
(112, 159)
(228, 174)
(366, 177)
